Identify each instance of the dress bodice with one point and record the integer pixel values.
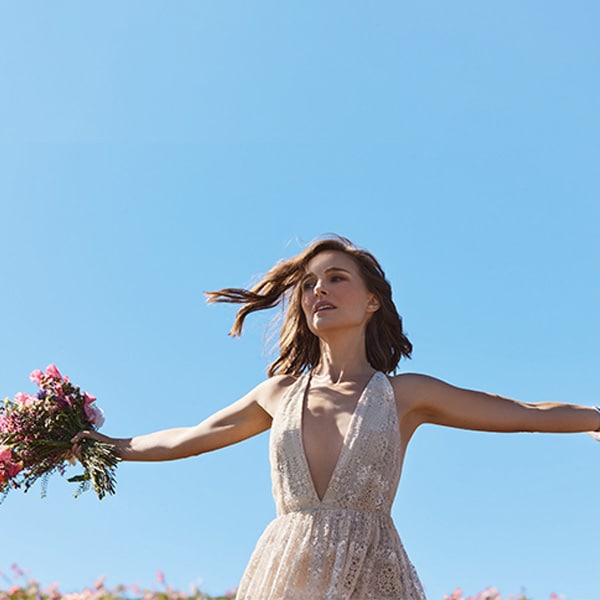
(368, 467)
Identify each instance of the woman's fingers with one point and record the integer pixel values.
(77, 438)
(76, 442)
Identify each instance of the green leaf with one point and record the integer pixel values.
(79, 478)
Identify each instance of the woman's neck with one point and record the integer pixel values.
(343, 360)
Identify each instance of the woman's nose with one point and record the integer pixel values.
(319, 289)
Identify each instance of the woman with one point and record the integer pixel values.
(340, 425)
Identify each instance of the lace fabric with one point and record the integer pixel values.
(345, 545)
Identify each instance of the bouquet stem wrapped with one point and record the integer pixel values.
(36, 433)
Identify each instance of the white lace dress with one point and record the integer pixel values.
(345, 545)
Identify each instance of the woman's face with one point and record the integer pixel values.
(334, 294)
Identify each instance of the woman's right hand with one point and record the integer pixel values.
(89, 434)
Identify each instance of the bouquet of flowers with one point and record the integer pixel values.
(36, 432)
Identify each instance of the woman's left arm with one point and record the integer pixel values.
(430, 400)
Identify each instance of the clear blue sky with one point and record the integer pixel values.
(153, 150)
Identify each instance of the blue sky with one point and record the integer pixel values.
(151, 151)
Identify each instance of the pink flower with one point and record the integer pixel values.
(36, 377)
(24, 399)
(94, 414)
(8, 468)
(89, 398)
(14, 469)
(160, 577)
(489, 593)
(21, 398)
(53, 592)
(52, 371)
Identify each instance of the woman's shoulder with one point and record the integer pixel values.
(271, 391)
(280, 383)
(417, 391)
(406, 381)
(411, 387)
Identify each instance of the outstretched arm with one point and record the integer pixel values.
(245, 418)
(428, 400)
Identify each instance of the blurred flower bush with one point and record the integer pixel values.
(19, 586)
(492, 593)
(22, 587)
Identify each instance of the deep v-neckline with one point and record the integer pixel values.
(345, 439)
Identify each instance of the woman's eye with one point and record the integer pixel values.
(308, 285)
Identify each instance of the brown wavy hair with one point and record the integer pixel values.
(299, 348)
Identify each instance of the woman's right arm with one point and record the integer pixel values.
(243, 419)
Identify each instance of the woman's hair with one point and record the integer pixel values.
(299, 348)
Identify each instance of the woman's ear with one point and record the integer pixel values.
(373, 305)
